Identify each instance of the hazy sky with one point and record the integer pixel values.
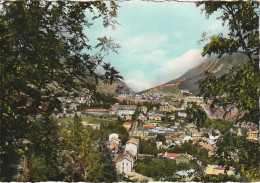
(158, 40)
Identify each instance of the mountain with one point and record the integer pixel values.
(190, 78)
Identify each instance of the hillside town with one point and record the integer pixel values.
(163, 121)
(129, 91)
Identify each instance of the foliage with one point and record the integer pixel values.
(162, 169)
(111, 74)
(108, 128)
(148, 147)
(222, 125)
(196, 115)
(85, 159)
(44, 52)
(102, 101)
(192, 149)
(239, 153)
(157, 169)
(40, 154)
(238, 88)
(160, 138)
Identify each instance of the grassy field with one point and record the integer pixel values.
(85, 119)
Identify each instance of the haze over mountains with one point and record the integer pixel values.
(190, 78)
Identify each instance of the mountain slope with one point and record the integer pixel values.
(190, 78)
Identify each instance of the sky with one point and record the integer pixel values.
(158, 40)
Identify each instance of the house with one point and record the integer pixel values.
(172, 117)
(158, 118)
(171, 155)
(125, 165)
(113, 135)
(125, 117)
(253, 134)
(97, 112)
(198, 137)
(140, 132)
(151, 135)
(132, 146)
(69, 100)
(183, 158)
(149, 127)
(92, 126)
(127, 125)
(209, 147)
(125, 112)
(114, 142)
(186, 139)
(114, 147)
(182, 114)
(141, 117)
(215, 170)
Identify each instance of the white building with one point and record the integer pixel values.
(182, 114)
(125, 165)
(113, 135)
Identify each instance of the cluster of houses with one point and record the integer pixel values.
(126, 163)
(124, 112)
(126, 160)
(69, 106)
(178, 134)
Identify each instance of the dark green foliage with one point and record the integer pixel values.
(239, 87)
(196, 115)
(148, 147)
(87, 157)
(162, 169)
(160, 138)
(102, 101)
(239, 153)
(157, 169)
(44, 53)
(42, 151)
(109, 128)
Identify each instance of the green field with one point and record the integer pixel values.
(85, 119)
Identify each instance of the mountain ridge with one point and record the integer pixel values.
(189, 79)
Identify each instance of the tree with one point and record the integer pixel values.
(44, 52)
(234, 151)
(196, 115)
(238, 88)
(111, 74)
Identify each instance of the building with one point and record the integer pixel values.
(125, 165)
(113, 135)
(215, 170)
(127, 125)
(253, 134)
(114, 142)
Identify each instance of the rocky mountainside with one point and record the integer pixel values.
(189, 80)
